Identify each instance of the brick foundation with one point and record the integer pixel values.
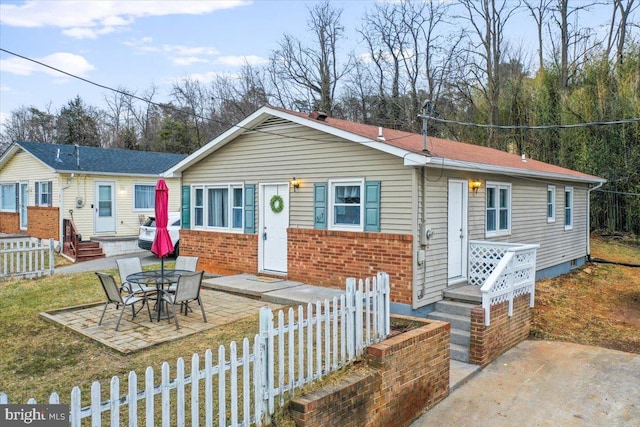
(221, 253)
(328, 258)
(43, 222)
(408, 374)
(10, 223)
(504, 332)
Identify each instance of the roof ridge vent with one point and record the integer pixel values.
(524, 158)
(318, 115)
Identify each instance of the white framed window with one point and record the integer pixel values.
(568, 208)
(144, 196)
(218, 206)
(346, 198)
(8, 197)
(498, 209)
(551, 203)
(43, 193)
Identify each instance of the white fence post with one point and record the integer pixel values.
(266, 355)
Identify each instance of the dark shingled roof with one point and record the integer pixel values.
(104, 160)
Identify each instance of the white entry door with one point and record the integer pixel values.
(105, 207)
(457, 231)
(273, 227)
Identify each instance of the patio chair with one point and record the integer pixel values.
(115, 296)
(189, 263)
(126, 267)
(187, 289)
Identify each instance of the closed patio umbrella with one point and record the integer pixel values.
(162, 245)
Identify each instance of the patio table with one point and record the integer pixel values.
(159, 279)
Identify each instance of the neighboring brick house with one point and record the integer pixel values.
(104, 191)
(317, 199)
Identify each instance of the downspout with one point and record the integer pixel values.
(422, 228)
(589, 218)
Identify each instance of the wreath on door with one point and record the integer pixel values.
(277, 204)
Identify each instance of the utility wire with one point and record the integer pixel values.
(489, 126)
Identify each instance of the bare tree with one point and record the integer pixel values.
(619, 27)
(194, 101)
(488, 19)
(315, 70)
(29, 124)
(539, 11)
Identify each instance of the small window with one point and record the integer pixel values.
(198, 207)
(346, 204)
(568, 208)
(551, 203)
(144, 196)
(8, 197)
(43, 193)
(498, 209)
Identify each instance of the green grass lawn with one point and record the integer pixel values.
(38, 358)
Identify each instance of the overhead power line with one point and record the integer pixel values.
(523, 127)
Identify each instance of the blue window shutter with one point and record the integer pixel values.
(372, 206)
(50, 201)
(320, 206)
(18, 196)
(185, 209)
(250, 208)
(37, 185)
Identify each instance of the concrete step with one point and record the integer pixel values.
(467, 293)
(460, 353)
(457, 321)
(460, 337)
(455, 307)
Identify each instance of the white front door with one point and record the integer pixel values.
(457, 231)
(273, 227)
(105, 207)
(24, 202)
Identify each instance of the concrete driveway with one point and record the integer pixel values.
(540, 383)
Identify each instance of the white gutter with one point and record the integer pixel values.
(600, 184)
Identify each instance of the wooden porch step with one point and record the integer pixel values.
(88, 251)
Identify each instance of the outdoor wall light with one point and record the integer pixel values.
(295, 183)
(475, 184)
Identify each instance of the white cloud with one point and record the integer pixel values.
(239, 61)
(187, 60)
(69, 62)
(78, 18)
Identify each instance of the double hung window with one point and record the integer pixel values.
(346, 207)
(551, 203)
(498, 209)
(43, 193)
(568, 208)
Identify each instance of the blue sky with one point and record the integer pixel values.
(137, 44)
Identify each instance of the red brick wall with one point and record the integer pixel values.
(504, 332)
(328, 258)
(43, 222)
(10, 222)
(409, 373)
(221, 253)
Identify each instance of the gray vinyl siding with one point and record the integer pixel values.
(310, 156)
(529, 219)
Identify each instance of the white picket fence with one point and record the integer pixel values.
(243, 389)
(26, 257)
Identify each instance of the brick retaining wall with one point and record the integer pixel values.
(407, 375)
(10, 223)
(504, 332)
(43, 222)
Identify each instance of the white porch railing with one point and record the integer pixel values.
(504, 271)
(27, 257)
(241, 389)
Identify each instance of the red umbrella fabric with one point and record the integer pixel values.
(162, 245)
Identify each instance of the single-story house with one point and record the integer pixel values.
(318, 199)
(47, 190)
